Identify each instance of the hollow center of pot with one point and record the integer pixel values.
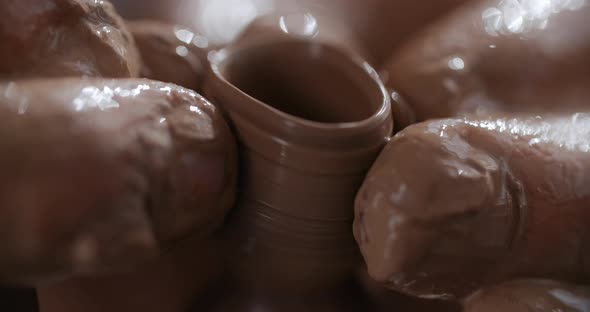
(307, 80)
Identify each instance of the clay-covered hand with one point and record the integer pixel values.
(494, 56)
(530, 295)
(57, 38)
(454, 204)
(98, 175)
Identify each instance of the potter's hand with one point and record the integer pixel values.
(474, 204)
(453, 204)
(56, 38)
(481, 59)
(98, 175)
(530, 295)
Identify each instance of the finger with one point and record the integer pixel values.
(482, 58)
(103, 173)
(59, 38)
(452, 204)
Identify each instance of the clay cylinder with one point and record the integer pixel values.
(310, 120)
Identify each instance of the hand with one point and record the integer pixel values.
(493, 192)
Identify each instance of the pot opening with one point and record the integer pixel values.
(307, 80)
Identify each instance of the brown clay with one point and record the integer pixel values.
(452, 205)
(119, 170)
(482, 59)
(170, 53)
(310, 119)
(60, 38)
(530, 295)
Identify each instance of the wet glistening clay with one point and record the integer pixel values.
(296, 155)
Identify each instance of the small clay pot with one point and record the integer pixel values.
(318, 260)
(304, 112)
(310, 119)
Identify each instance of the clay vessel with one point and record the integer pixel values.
(310, 120)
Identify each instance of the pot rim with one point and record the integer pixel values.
(294, 126)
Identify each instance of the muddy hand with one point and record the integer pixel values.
(451, 205)
(101, 174)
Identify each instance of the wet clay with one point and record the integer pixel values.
(64, 38)
(483, 59)
(310, 120)
(312, 96)
(451, 205)
(170, 53)
(126, 168)
(530, 295)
